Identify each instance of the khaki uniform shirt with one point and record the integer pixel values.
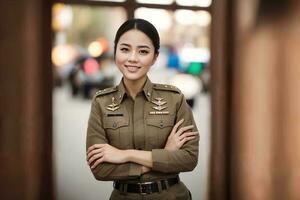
(144, 124)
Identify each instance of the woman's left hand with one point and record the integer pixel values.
(179, 136)
(99, 153)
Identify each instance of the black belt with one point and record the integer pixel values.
(146, 187)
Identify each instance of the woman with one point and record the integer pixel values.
(141, 135)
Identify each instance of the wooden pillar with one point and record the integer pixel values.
(25, 100)
(255, 98)
(221, 67)
(266, 111)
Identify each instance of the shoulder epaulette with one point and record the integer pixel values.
(166, 87)
(106, 91)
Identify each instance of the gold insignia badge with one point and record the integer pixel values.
(159, 107)
(159, 104)
(113, 106)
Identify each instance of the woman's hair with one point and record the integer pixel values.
(141, 25)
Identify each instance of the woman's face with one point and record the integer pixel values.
(134, 55)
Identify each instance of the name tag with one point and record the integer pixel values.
(159, 112)
(114, 115)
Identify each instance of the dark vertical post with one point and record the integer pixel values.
(26, 100)
(221, 70)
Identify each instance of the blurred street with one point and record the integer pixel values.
(73, 179)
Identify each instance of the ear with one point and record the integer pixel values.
(155, 58)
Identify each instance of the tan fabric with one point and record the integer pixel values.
(134, 126)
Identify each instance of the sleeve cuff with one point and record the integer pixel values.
(160, 159)
(135, 169)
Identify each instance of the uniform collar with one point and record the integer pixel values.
(121, 91)
(147, 90)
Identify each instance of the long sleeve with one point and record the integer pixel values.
(184, 159)
(96, 135)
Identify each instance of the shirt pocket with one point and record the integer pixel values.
(158, 130)
(117, 131)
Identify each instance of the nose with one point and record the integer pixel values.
(132, 57)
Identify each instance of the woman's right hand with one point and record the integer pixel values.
(180, 136)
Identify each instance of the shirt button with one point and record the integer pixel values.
(161, 124)
(114, 124)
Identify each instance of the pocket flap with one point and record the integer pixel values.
(160, 122)
(115, 124)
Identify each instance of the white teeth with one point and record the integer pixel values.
(132, 68)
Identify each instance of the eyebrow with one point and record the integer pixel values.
(139, 46)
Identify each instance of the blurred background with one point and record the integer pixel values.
(237, 63)
(82, 57)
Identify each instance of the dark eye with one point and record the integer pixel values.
(144, 52)
(124, 49)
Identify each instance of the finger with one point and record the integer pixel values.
(95, 157)
(174, 130)
(184, 140)
(91, 148)
(95, 146)
(97, 163)
(188, 134)
(183, 129)
(95, 151)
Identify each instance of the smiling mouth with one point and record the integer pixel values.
(132, 68)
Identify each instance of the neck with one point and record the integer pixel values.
(135, 86)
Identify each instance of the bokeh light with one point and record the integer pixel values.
(63, 54)
(62, 16)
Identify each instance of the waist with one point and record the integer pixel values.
(146, 187)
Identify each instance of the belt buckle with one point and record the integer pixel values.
(142, 186)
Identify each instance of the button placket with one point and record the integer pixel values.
(161, 124)
(138, 123)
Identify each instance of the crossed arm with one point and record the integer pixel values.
(99, 153)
